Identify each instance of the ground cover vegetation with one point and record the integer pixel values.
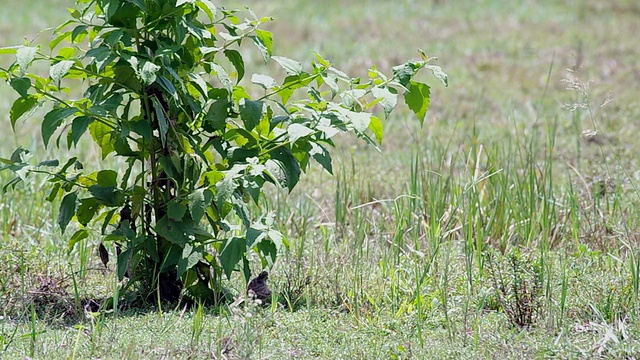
(505, 227)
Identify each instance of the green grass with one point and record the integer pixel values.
(408, 253)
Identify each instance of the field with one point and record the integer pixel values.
(505, 227)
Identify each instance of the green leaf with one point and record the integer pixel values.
(359, 120)
(190, 257)
(265, 81)
(79, 126)
(167, 86)
(264, 42)
(67, 210)
(87, 210)
(297, 131)
(268, 252)
(162, 120)
(375, 125)
(217, 114)
(107, 195)
(101, 134)
(148, 72)
(233, 250)
(76, 238)
(251, 113)
(255, 234)
(177, 232)
(199, 200)
(107, 178)
(439, 74)
(208, 8)
(9, 50)
(283, 167)
(406, 71)
(78, 30)
(417, 98)
(52, 121)
(389, 98)
(321, 155)
(123, 262)
(24, 56)
(175, 210)
(236, 59)
(20, 107)
(60, 69)
(291, 67)
(21, 85)
(222, 76)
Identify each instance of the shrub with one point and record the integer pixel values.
(165, 92)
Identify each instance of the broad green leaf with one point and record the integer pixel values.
(255, 234)
(283, 167)
(77, 31)
(21, 85)
(375, 125)
(78, 236)
(79, 126)
(182, 2)
(406, 71)
(52, 121)
(359, 120)
(60, 69)
(265, 81)
(141, 128)
(268, 252)
(106, 178)
(20, 107)
(9, 50)
(233, 250)
(321, 155)
(59, 38)
(439, 74)
(148, 72)
(389, 98)
(297, 131)
(251, 113)
(222, 76)
(67, 210)
(167, 86)
(264, 42)
(236, 59)
(208, 8)
(123, 263)
(101, 134)
(217, 114)
(190, 257)
(417, 99)
(24, 56)
(177, 232)
(175, 210)
(332, 81)
(291, 67)
(199, 200)
(108, 196)
(87, 210)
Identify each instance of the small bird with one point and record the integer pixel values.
(258, 288)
